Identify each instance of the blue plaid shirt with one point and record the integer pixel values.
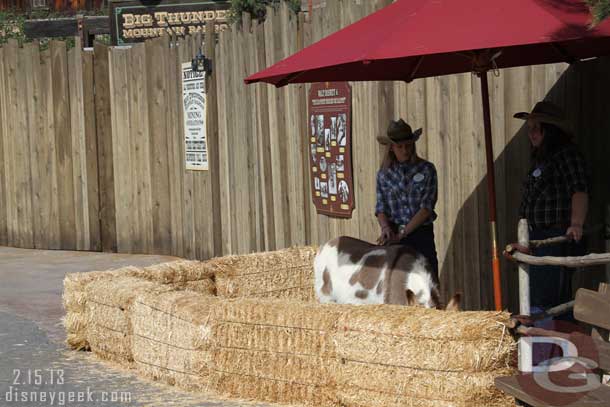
(404, 189)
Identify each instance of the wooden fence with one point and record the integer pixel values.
(93, 149)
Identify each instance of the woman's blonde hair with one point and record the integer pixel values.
(389, 158)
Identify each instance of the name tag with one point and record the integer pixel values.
(419, 177)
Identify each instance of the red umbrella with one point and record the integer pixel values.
(412, 39)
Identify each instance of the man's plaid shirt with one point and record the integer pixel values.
(548, 189)
(404, 189)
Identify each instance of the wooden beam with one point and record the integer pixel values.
(592, 307)
(65, 27)
(593, 259)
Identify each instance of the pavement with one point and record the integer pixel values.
(37, 369)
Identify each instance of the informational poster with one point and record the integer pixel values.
(194, 106)
(330, 144)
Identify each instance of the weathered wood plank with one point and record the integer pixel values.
(103, 123)
(21, 155)
(3, 138)
(278, 140)
(140, 151)
(223, 57)
(212, 129)
(157, 92)
(79, 155)
(90, 136)
(174, 159)
(188, 199)
(264, 145)
(63, 140)
(32, 98)
(293, 133)
(126, 219)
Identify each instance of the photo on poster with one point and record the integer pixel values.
(343, 191)
(340, 163)
(324, 189)
(313, 125)
(332, 179)
(342, 129)
(320, 129)
(327, 139)
(313, 153)
(333, 128)
(317, 183)
(323, 164)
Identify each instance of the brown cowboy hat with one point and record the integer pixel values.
(399, 131)
(547, 112)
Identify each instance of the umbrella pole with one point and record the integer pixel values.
(491, 190)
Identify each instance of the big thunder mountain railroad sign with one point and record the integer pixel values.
(330, 146)
(137, 21)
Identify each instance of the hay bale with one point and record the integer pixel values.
(179, 271)
(272, 350)
(178, 275)
(108, 321)
(205, 286)
(171, 337)
(279, 274)
(75, 303)
(421, 355)
(76, 324)
(474, 341)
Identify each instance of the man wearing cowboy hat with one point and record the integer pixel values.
(406, 193)
(555, 199)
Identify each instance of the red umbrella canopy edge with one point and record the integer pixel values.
(412, 39)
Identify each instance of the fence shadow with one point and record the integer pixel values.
(581, 91)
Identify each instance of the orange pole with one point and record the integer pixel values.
(491, 189)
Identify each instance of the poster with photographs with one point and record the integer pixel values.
(329, 119)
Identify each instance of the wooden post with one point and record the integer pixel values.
(525, 357)
(604, 333)
(524, 272)
(607, 236)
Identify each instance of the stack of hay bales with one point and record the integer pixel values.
(280, 274)
(75, 302)
(171, 335)
(396, 356)
(108, 315)
(168, 323)
(274, 350)
(181, 274)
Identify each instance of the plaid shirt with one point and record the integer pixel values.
(548, 189)
(404, 189)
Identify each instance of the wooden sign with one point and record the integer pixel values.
(136, 21)
(330, 158)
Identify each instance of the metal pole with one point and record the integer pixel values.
(491, 190)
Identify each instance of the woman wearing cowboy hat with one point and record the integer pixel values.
(555, 199)
(406, 193)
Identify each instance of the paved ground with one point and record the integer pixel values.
(36, 369)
